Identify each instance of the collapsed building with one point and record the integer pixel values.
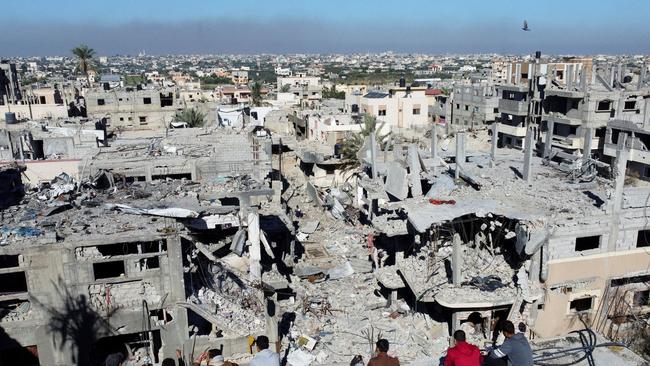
(197, 239)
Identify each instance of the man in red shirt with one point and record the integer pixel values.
(463, 353)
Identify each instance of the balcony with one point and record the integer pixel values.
(517, 108)
(571, 119)
(517, 131)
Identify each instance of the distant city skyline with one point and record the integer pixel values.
(41, 27)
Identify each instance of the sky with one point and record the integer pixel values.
(53, 27)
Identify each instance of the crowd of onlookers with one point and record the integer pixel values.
(515, 350)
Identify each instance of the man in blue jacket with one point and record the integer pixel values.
(515, 350)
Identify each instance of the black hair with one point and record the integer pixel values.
(508, 327)
(382, 345)
(115, 359)
(459, 335)
(522, 327)
(168, 362)
(262, 342)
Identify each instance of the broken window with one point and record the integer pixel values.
(641, 298)
(9, 261)
(604, 105)
(100, 102)
(495, 110)
(583, 304)
(143, 120)
(104, 270)
(13, 283)
(382, 112)
(416, 110)
(146, 100)
(587, 243)
(149, 263)
(630, 104)
(643, 238)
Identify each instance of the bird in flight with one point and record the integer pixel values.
(525, 27)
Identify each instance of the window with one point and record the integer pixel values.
(148, 100)
(604, 105)
(641, 298)
(12, 283)
(108, 269)
(457, 106)
(643, 239)
(100, 102)
(583, 304)
(142, 119)
(466, 107)
(121, 118)
(120, 99)
(630, 104)
(382, 112)
(130, 118)
(587, 243)
(495, 110)
(9, 261)
(416, 110)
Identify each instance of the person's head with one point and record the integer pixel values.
(382, 345)
(115, 359)
(459, 336)
(521, 327)
(508, 328)
(262, 343)
(168, 362)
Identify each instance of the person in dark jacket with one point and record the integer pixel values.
(463, 353)
(382, 358)
(515, 349)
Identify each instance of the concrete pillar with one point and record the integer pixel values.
(457, 261)
(622, 155)
(568, 77)
(548, 140)
(434, 143)
(528, 155)
(255, 251)
(586, 153)
(495, 139)
(413, 160)
(460, 152)
(373, 154)
(272, 319)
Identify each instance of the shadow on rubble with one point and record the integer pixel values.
(74, 325)
(517, 172)
(14, 353)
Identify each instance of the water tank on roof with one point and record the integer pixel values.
(10, 118)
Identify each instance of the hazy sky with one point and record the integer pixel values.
(53, 27)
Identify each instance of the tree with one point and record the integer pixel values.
(285, 88)
(192, 116)
(84, 55)
(256, 94)
(352, 145)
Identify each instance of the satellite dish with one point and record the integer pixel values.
(525, 27)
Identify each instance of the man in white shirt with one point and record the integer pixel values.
(264, 356)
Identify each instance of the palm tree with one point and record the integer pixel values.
(256, 94)
(84, 54)
(353, 144)
(192, 116)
